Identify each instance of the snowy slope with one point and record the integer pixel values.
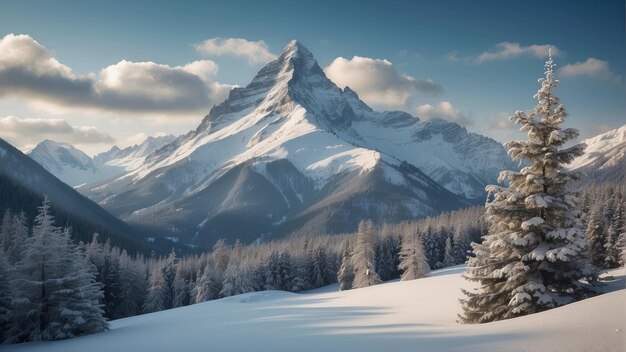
(24, 181)
(70, 164)
(75, 168)
(133, 157)
(417, 315)
(605, 156)
(292, 150)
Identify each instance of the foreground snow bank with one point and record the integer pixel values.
(417, 315)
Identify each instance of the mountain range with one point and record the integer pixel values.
(24, 183)
(293, 152)
(604, 158)
(76, 168)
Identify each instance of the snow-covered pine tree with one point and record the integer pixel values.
(20, 234)
(321, 267)
(110, 279)
(55, 295)
(132, 278)
(364, 257)
(301, 277)
(595, 236)
(80, 309)
(533, 257)
(161, 286)
(271, 274)
(432, 250)
(6, 230)
(207, 286)
(615, 238)
(345, 276)
(386, 258)
(284, 264)
(413, 262)
(461, 245)
(448, 258)
(238, 279)
(5, 297)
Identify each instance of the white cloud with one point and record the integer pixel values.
(591, 68)
(28, 70)
(452, 56)
(444, 110)
(506, 50)
(27, 132)
(377, 82)
(501, 122)
(256, 52)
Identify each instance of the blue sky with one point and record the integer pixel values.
(441, 41)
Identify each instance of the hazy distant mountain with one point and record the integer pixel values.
(604, 158)
(293, 151)
(70, 164)
(134, 156)
(23, 182)
(76, 168)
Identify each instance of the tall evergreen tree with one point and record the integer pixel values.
(533, 256)
(413, 262)
(20, 234)
(364, 257)
(207, 287)
(5, 297)
(55, 295)
(345, 277)
(6, 230)
(595, 234)
(615, 238)
(132, 278)
(448, 258)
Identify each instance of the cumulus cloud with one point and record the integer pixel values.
(591, 68)
(377, 82)
(256, 52)
(444, 110)
(501, 122)
(25, 132)
(29, 70)
(506, 50)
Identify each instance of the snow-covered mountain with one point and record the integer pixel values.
(75, 168)
(134, 156)
(604, 158)
(24, 182)
(291, 150)
(70, 164)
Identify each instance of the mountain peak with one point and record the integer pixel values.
(294, 47)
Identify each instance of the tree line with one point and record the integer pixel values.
(52, 288)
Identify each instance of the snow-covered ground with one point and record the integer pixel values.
(417, 315)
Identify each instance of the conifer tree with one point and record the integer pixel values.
(615, 238)
(55, 295)
(595, 236)
(364, 257)
(132, 278)
(448, 258)
(413, 262)
(20, 234)
(533, 257)
(345, 277)
(6, 230)
(5, 297)
(207, 287)
(301, 277)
